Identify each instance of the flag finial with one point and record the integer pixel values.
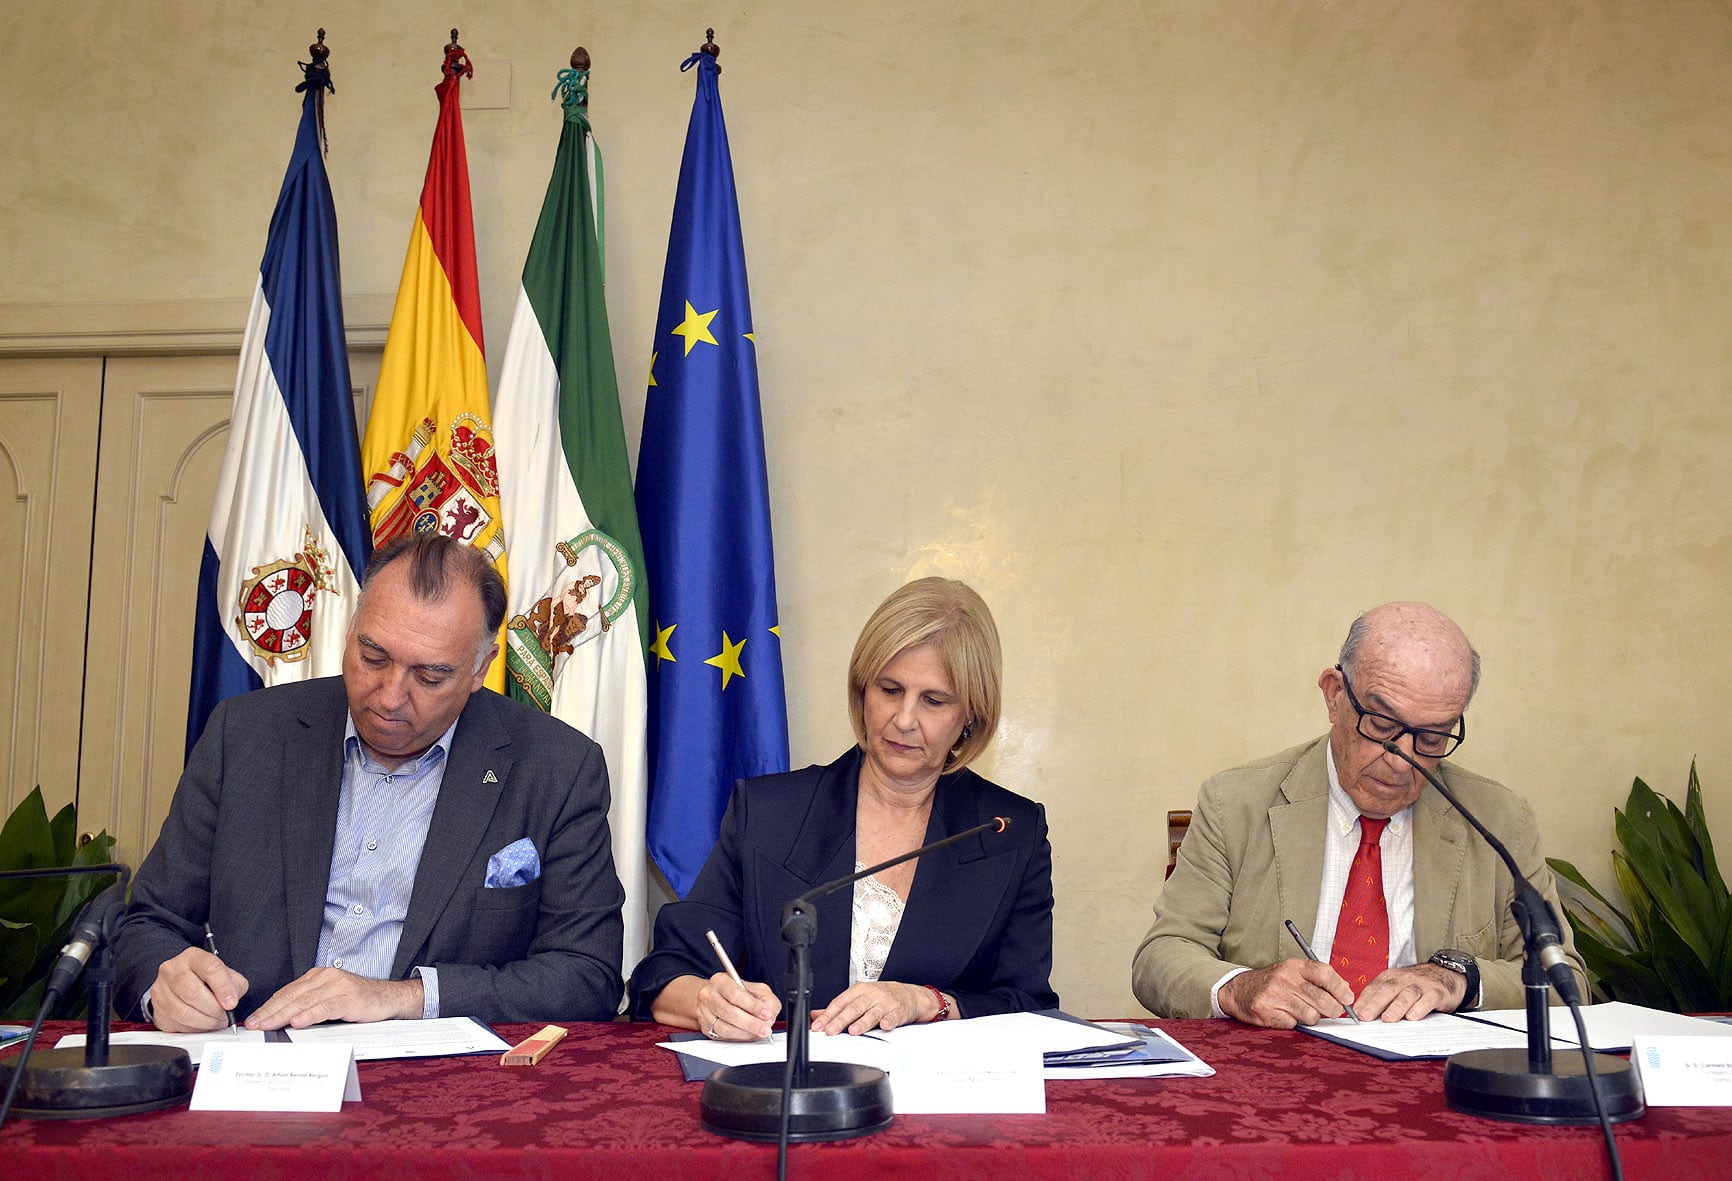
(317, 71)
(318, 80)
(572, 89)
(709, 46)
(456, 61)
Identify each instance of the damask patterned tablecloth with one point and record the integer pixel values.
(608, 1104)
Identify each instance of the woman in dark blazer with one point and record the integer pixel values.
(961, 932)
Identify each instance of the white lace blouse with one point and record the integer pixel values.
(877, 914)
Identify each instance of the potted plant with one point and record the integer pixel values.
(1670, 945)
(36, 914)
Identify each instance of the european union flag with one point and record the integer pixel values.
(716, 707)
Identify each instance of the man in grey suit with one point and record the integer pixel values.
(394, 842)
(1281, 838)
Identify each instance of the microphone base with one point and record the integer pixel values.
(840, 1101)
(58, 1085)
(1497, 1084)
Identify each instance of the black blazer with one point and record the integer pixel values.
(248, 840)
(978, 922)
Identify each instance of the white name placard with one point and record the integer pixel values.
(276, 1077)
(1684, 1071)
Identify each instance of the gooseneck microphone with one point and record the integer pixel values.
(798, 1100)
(996, 825)
(1533, 914)
(97, 1080)
(1528, 1086)
(88, 933)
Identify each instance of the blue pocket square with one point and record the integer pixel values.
(517, 864)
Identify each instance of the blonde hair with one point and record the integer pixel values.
(951, 617)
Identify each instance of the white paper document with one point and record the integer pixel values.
(373, 1041)
(376, 1040)
(981, 1064)
(1684, 1071)
(193, 1043)
(1436, 1036)
(1612, 1026)
(245, 1076)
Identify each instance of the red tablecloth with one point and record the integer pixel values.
(607, 1104)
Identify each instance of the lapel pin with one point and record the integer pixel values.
(490, 777)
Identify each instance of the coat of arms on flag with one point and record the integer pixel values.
(426, 491)
(276, 603)
(592, 590)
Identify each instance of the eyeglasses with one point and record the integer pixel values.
(1379, 728)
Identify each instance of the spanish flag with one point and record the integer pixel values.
(428, 451)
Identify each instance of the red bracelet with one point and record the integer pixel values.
(943, 1004)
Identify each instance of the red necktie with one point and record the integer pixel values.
(1361, 947)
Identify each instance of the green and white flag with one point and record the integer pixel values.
(577, 612)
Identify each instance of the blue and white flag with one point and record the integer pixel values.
(717, 711)
(288, 532)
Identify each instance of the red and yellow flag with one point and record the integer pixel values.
(428, 451)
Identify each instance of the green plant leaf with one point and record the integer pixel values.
(64, 830)
(1637, 902)
(1666, 867)
(1697, 821)
(1685, 975)
(1622, 977)
(1588, 908)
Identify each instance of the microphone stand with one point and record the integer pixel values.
(797, 1099)
(1529, 1087)
(100, 1079)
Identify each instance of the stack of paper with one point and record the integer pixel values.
(982, 1064)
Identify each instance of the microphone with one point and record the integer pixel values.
(997, 824)
(1498, 1083)
(810, 1100)
(88, 933)
(1533, 914)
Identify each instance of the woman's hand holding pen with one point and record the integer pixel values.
(733, 1011)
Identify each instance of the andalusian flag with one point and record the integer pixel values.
(717, 712)
(428, 450)
(288, 532)
(575, 627)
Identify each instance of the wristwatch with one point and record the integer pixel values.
(1460, 961)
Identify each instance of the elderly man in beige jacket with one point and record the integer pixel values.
(1384, 879)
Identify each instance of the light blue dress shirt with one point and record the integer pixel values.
(382, 819)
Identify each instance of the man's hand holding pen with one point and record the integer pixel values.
(194, 993)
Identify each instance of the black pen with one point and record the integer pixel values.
(210, 946)
(1311, 955)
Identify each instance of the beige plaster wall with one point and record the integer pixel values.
(1183, 330)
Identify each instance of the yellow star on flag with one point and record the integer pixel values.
(696, 327)
(659, 649)
(728, 660)
(653, 357)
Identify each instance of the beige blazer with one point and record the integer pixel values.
(1254, 856)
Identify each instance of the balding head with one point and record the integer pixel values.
(1416, 636)
(1410, 664)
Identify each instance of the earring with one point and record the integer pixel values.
(968, 729)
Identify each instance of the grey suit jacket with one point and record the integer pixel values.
(248, 840)
(1254, 856)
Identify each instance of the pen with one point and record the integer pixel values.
(210, 946)
(727, 964)
(1310, 955)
